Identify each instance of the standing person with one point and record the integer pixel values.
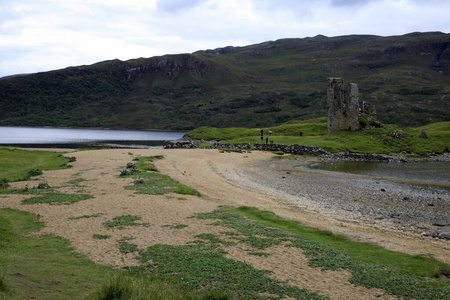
(262, 132)
(262, 139)
(267, 140)
(270, 132)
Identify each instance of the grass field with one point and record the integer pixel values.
(16, 164)
(387, 139)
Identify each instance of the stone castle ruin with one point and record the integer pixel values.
(343, 105)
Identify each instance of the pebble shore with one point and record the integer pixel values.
(418, 209)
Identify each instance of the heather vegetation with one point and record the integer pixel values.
(261, 85)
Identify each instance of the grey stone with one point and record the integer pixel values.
(180, 144)
(242, 146)
(343, 105)
(291, 149)
(368, 108)
(423, 134)
(445, 235)
(441, 223)
(379, 217)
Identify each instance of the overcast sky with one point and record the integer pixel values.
(42, 35)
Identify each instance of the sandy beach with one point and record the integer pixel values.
(351, 205)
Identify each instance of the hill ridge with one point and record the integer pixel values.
(407, 77)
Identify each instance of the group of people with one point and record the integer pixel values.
(270, 133)
(262, 136)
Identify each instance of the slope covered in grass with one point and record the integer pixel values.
(387, 139)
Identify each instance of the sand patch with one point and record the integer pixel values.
(221, 180)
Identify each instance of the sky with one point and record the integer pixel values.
(43, 35)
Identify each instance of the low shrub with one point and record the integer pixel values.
(125, 247)
(100, 236)
(120, 222)
(43, 186)
(34, 172)
(4, 184)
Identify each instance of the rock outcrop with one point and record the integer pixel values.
(423, 134)
(367, 108)
(169, 67)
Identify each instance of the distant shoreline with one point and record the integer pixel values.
(97, 144)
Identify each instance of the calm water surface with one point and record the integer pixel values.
(33, 135)
(417, 171)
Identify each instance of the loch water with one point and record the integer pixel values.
(421, 171)
(67, 137)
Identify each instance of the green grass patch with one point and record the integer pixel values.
(211, 241)
(100, 236)
(77, 182)
(220, 134)
(120, 222)
(41, 188)
(370, 265)
(176, 226)
(46, 267)
(19, 164)
(145, 163)
(159, 184)
(386, 139)
(148, 181)
(420, 265)
(125, 247)
(43, 267)
(57, 199)
(86, 216)
(140, 285)
(199, 268)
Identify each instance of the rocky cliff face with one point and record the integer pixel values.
(170, 67)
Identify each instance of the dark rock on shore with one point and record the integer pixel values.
(291, 149)
(191, 144)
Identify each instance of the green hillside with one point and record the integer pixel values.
(385, 139)
(407, 78)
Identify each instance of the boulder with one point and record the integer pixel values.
(423, 134)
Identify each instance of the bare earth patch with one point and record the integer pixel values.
(222, 179)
